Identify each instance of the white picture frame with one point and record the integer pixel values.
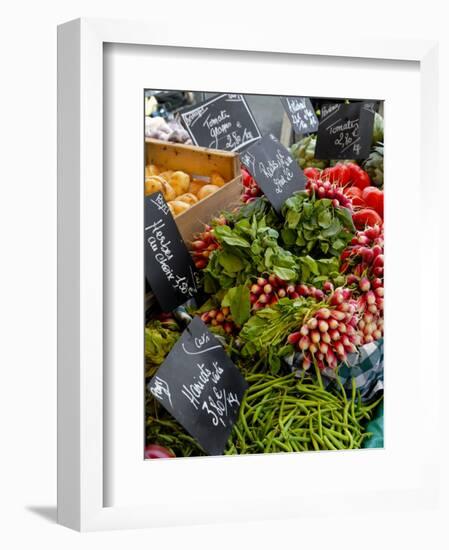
(84, 472)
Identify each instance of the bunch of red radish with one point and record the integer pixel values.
(220, 317)
(355, 184)
(370, 305)
(343, 174)
(250, 188)
(330, 333)
(266, 291)
(204, 244)
(323, 188)
(364, 254)
(364, 259)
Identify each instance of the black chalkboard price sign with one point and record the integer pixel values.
(274, 170)
(222, 122)
(169, 269)
(345, 131)
(301, 114)
(201, 387)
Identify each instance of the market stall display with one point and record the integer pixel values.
(292, 289)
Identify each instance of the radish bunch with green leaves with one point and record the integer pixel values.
(327, 335)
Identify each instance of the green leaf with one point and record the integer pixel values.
(323, 203)
(310, 263)
(244, 227)
(324, 247)
(288, 236)
(210, 285)
(308, 209)
(309, 235)
(310, 224)
(268, 257)
(256, 248)
(284, 273)
(346, 218)
(230, 262)
(338, 245)
(324, 219)
(237, 298)
(305, 273)
(327, 265)
(333, 229)
(300, 241)
(225, 234)
(320, 279)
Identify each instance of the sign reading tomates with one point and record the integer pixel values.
(222, 122)
(345, 131)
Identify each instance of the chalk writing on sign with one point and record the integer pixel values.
(169, 268)
(222, 122)
(200, 386)
(274, 170)
(345, 131)
(301, 114)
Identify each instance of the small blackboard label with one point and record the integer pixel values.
(222, 122)
(201, 387)
(345, 131)
(274, 170)
(169, 268)
(301, 114)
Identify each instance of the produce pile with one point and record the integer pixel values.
(157, 127)
(180, 190)
(291, 296)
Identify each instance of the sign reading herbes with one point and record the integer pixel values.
(274, 170)
(301, 114)
(345, 131)
(201, 387)
(169, 268)
(222, 122)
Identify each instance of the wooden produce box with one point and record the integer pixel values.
(199, 163)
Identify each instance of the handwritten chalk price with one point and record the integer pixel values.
(201, 387)
(301, 114)
(274, 170)
(345, 131)
(222, 122)
(169, 268)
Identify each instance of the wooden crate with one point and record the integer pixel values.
(198, 162)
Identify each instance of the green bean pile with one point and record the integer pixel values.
(297, 414)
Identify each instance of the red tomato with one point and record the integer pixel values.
(366, 216)
(312, 173)
(326, 174)
(374, 198)
(342, 174)
(358, 176)
(353, 191)
(355, 194)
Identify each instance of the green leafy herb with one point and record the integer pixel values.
(315, 227)
(237, 298)
(265, 333)
(248, 249)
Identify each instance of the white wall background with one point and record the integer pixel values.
(28, 268)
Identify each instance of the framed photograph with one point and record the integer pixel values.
(240, 327)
